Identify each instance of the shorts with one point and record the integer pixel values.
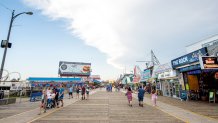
(140, 98)
(60, 98)
(77, 92)
(70, 93)
(87, 92)
(83, 93)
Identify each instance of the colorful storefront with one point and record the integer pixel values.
(197, 81)
(168, 80)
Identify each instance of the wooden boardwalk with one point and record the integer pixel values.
(107, 107)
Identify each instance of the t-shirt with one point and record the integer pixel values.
(48, 93)
(87, 89)
(141, 92)
(70, 89)
(49, 96)
(61, 90)
(83, 89)
(53, 95)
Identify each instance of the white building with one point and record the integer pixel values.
(211, 43)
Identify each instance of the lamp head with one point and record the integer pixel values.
(29, 13)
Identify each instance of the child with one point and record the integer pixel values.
(129, 96)
(154, 97)
(43, 102)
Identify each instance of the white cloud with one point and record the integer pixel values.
(126, 29)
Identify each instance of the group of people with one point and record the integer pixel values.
(51, 98)
(84, 92)
(141, 93)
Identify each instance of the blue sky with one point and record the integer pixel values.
(111, 34)
(39, 43)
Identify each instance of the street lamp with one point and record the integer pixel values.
(7, 41)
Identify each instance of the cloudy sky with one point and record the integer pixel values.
(111, 34)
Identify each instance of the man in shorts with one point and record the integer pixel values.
(61, 95)
(70, 92)
(141, 93)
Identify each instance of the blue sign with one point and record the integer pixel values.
(189, 58)
(190, 68)
(146, 75)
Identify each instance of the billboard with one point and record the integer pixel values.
(209, 62)
(74, 69)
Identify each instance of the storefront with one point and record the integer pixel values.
(196, 80)
(168, 80)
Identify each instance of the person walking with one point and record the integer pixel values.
(77, 91)
(43, 102)
(141, 93)
(87, 92)
(61, 95)
(70, 92)
(129, 96)
(56, 92)
(154, 97)
(83, 92)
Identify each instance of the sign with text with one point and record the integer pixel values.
(146, 74)
(74, 69)
(209, 62)
(189, 58)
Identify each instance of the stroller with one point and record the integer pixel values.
(50, 103)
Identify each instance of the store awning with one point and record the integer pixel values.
(42, 79)
(96, 81)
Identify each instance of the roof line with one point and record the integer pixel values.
(202, 40)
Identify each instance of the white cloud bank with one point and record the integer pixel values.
(133, 27)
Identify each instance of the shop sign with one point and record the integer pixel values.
(190, 68)
(167, 74)
(163, 68)
(189, 58)
(194, 72)
(146, 74)
(209, 62)
(211, 96)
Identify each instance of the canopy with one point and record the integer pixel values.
(96, 81)
(40, 79)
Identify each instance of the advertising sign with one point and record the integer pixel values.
(95, 77)
(189, 58)
(74, 69)
(146, 74)
(162, 68)
(209, 62)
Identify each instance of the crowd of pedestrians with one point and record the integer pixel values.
(141, 93)
(53, 97)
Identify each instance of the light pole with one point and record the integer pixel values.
(8, 37)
